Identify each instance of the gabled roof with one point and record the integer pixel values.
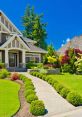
(10, 22)
(75, 42)
(12, 38)
(34, 48)
(29, 47)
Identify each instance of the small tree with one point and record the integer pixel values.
(78, 64)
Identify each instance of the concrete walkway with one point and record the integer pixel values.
(54, 103)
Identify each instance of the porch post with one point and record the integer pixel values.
(6, 58)
(23, 58)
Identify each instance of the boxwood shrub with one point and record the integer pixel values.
(64, 92)
(29, 92)
(29, 87)
(74, 98)
(31, 97)
(59, 87)
(37, 108)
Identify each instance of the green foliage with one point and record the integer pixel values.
(4, 73)
(2, 65)
(30, 87)
(37, 108)
(31, 97)
(43, 71)
(29, 92)
(50, 50)
(64, 92)
(31, 65)
(74, 98)
(39, 65)
(59, 87)
(66, 68)
(34, 27)
(78, 65)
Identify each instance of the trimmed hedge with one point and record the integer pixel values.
(64, 92)
(31, 97)
(37, 108)
(29, 92)
(73, 97)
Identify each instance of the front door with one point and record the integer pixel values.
(12, 59)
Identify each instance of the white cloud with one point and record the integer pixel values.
(68, 39)
(62, 45)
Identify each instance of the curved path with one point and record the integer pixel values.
(54, 103)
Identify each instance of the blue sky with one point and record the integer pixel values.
(64, 17)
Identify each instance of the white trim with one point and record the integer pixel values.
(11, 39)
(5, 27)
(10, 22)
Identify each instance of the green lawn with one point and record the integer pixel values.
(73, 82)
(9, 100)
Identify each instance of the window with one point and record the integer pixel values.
(27, 59)
(37, 59)
(32, 57)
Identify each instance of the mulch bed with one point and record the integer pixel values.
(24, 108)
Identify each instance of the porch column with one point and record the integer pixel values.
(23, 58)
(6, 58)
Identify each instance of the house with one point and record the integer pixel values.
(75, 42)
(16, 50)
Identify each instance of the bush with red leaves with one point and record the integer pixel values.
(65, 59)
(15, 76)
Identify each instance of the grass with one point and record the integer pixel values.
(9, 101)
(73, 82)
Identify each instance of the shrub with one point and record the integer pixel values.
(55, 84)
(43, 71)
(29, 87)
(31, 64)
(74, 98)
(4, 73)
(59, 87)
(66, 68)
(43, 77)
(64, 92)
(37, 74)
(39, 65)
(31, 97)
(34, 73)
(2, 65)
(37, 108)
(51, 81)
(47, 78)
(28, 92)
(14, 76)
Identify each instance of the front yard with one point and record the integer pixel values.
(9, 100)
(73, 82)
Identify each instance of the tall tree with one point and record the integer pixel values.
(34, 27)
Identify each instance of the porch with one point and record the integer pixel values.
(13, 58)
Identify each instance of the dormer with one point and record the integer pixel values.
(6, 26)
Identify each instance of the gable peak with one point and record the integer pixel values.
(7, 22)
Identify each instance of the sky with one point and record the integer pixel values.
(64, 17)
